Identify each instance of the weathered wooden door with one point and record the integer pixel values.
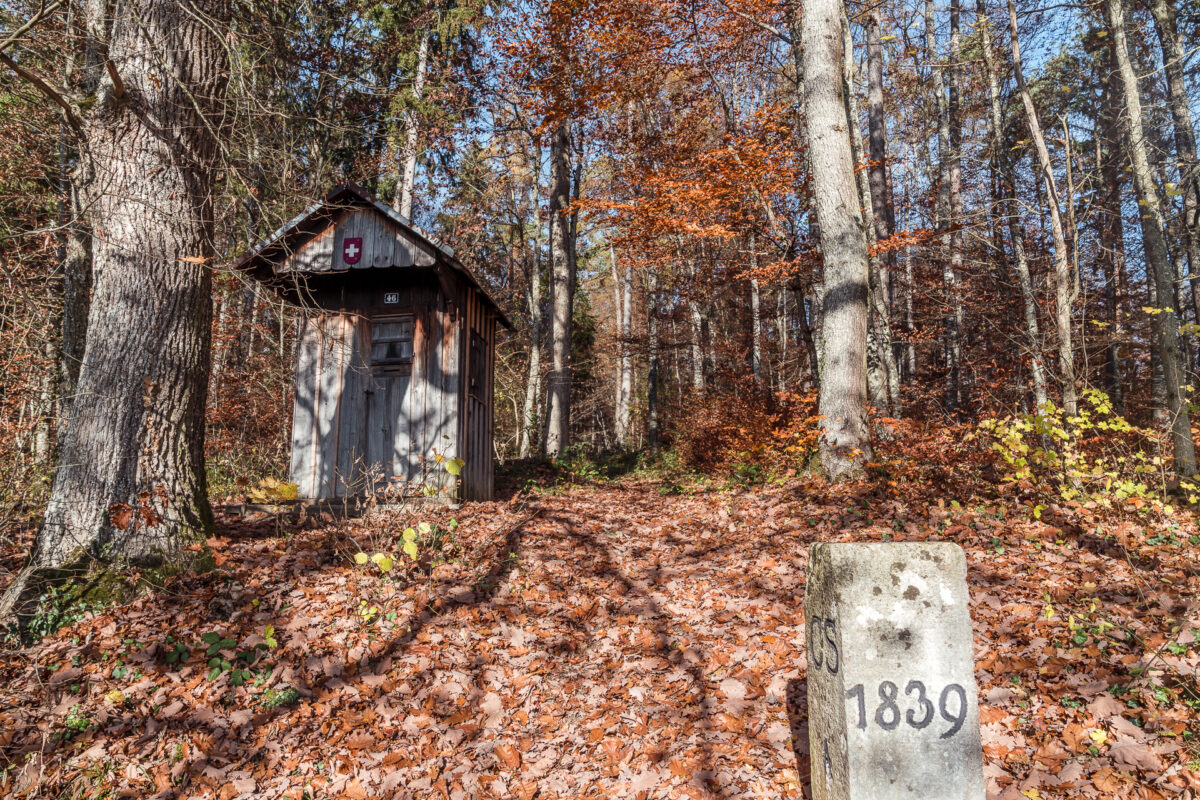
(387, 430)
(389, 435)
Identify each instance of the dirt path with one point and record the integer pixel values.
(599, 642)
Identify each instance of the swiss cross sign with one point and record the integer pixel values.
(352, 250)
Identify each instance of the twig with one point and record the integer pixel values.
(42, 13)
(46, 89)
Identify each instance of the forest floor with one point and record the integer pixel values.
(621, 639)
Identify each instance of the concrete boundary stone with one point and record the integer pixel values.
(893, 708)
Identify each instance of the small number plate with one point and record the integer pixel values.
(391, 298)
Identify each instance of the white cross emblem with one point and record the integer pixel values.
(352, 250)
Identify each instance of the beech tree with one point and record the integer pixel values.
(1063, 283)
(845, 437)
(130, 486)
(1166, 320)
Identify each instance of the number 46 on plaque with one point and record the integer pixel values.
(892, 701)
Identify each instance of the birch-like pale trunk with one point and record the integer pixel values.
(1006, 204)
(533, 300)
(756, 362)
(652, 432)
(403, 199)
(953, 274)
(1063, 278)
(845, 442)
(562, 289)
(782, 333)
(623, 302)
(697, 345)
(1166, 322)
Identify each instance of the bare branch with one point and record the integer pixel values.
(42, 13)
(53, 94)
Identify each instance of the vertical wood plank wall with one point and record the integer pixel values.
(325, 357)
(352, 420)
(477, 428)
(338, 442)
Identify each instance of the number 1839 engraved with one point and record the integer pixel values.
(952, 706)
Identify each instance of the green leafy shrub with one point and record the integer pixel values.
(58, 608)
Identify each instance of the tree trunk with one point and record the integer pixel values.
(783, 334)
(1185, 137)
(77, 287)
(533, 299)
(946, 220)
(1063, 278)
(623, 298)
(697, 344)
(756, 359)
(652, 433)
(953, 273)
(882, 208)
(1006, 205)
(1111, 225)
(878, 335)
(130, 486)
(403, 199)
(845, 439)
(1165, 321)
(562, 288)
(805, 313)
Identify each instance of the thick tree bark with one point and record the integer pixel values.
(1063, 277)
(845, 441)
(76, 259)
(1165, 322)
(403, 199)
(130, 486)
(1006, 205)
(562, 289)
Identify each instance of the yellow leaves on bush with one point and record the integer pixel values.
(1095, 456)
(271, 490)
(386, 562)
(410, 543)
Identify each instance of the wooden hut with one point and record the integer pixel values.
(395, 356)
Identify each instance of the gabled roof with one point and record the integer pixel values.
(264, 260)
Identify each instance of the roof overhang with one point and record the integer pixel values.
(265, 260)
